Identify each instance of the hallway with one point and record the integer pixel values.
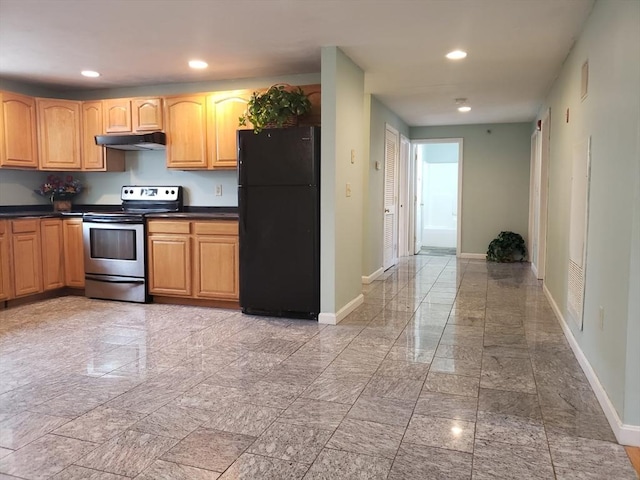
(452, 369)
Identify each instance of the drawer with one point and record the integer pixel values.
(216, 228)
(24, 226)
(160, 226)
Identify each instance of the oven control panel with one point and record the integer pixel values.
(152, 193)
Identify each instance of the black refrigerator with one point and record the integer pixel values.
(279, 204)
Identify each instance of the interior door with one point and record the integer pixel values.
(390, 241)
(418, 202)
(403, 202)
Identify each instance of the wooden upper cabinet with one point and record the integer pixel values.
(227, 107)
(52, 253)
(146, 114)
(117, 115)
(96, 157)
(187, 125)
(127, 115)
(59, 143)
(6, 289)
(18, 138)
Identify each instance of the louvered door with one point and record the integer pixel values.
(390, 241)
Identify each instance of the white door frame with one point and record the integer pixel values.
(415, 197)
(538, 204)
(403, 196)
(460, 142)
(534, 192)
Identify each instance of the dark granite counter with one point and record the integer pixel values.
(44, 211)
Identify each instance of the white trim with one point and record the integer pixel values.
(370, 278)
(473, 256)
(334, 318)
(625, 434)
(534, 270)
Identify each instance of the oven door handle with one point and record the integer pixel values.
(112, 220)
(104, 280)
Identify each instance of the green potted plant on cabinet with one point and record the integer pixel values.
(280, 106)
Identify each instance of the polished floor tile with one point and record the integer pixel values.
(127, 454)
(451, 369)
(334, 464)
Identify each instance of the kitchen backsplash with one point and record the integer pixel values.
(142, 168)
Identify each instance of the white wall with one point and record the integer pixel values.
(495, 179)
(341, 215)
(610, 115)
(440, 203)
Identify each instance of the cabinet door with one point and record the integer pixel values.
(18, 140)
(147, 114)
(59, 142)
(92, 125)
(170, 265)
(227, 108)
(6, 290)
(186, 128)
(96, 157)
(52, 253)
(217, 266)
(73, 253)
(117, 115)
(27, 257)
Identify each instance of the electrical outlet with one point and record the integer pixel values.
(348, 189)
(601, 319)
(218, 190)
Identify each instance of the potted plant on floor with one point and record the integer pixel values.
(280, 106)
(507, 247)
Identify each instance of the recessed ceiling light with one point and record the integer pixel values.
(198, 64)
(464, 109)
(90, 73)
(456, 55)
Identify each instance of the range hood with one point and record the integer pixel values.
(146, 141)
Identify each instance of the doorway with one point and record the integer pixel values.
(440, 188)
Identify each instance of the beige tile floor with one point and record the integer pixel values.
(450, 370)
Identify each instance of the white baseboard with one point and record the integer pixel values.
(334, 318)
(473, 256)
(625, 434)
(368, 279)
(534, 270)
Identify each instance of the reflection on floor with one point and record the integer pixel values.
(450, 370)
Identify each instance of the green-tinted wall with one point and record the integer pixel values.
(495, 179)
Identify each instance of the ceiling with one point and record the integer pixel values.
(515, 47)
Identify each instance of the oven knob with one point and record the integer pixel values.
(167, 192)
(173, 192)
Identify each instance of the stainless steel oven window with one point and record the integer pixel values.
(113, 244)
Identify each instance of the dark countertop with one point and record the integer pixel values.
(44, 211)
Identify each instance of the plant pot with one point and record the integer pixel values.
(291, 121)
(61, 205)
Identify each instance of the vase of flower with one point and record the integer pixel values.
(60, 191)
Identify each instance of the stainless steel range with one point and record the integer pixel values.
(115, 247)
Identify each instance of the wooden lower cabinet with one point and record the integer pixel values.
(52, 253)
(73, 252)
(170, 265)
(194, 259)
(6, 287)
(26, 256)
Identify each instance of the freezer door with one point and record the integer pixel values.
(279, 250)
(288, 156)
